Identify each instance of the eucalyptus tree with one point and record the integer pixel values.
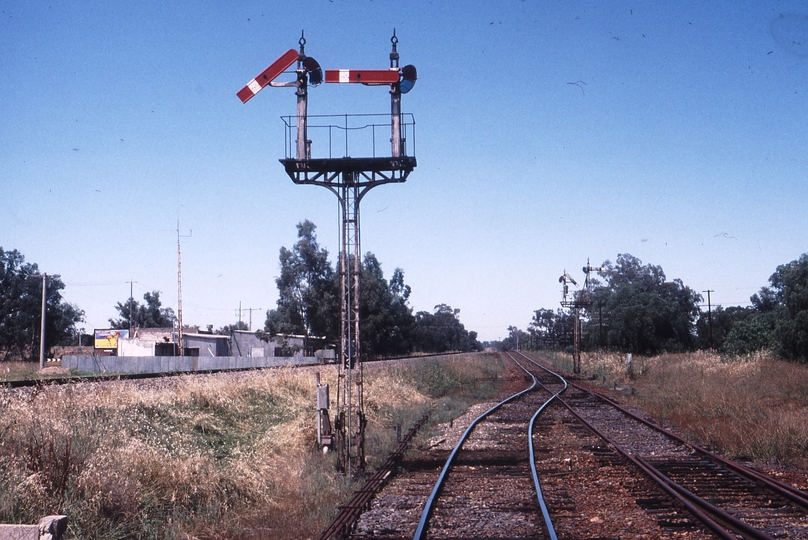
(387, 322)
(21, 309)
(309, 305)
(150, 314)
(550, 328)
(780, 318)
(442, 331)
(790, 281)
(645, 313)
(308, 290)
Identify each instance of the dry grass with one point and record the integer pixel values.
(753, 409)
(17, 371)
(168, 460)
(213, 456)
(10, 371)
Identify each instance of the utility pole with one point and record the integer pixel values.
(250, 309)
(710, 315)
(42, 322)
(131, 305)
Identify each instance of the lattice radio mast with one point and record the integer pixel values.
(179, 288)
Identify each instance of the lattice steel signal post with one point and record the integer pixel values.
(576, 302)
(349, 177)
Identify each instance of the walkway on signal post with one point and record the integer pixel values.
(349, 178)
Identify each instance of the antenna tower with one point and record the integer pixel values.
(179, 289)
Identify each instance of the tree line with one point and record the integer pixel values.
(21, 309)
(309, 305)
(630, 307)
(633, 308)
(777, 319)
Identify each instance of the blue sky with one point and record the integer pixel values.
(548, 132)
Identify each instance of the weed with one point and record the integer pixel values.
(229, 455)
(751, 407)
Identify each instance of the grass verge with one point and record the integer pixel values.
(229, 455)
(748, 410)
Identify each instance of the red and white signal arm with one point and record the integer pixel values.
(363, 76)
(268, 75)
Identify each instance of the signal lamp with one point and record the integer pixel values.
(408, 77)
(314, 70)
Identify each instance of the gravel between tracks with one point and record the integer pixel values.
(590, 491)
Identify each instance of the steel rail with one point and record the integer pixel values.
(654, 475)
(709, 514)
(544, 510)
(721, 516)
(789, 492)
(349, 512)
(436, 491)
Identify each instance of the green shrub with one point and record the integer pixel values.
(750, 335)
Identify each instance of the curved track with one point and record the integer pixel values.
(489, 486)
(482, 487)
(638, 480)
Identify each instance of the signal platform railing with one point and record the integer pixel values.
(349, 135)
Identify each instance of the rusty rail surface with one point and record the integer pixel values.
(720, 521)
(349, 513)
(694, 508)
(791, 493)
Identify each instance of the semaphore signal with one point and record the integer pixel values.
(350, 178)
(578, 301)
(266, 78)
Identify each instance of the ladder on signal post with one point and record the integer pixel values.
(349, 178)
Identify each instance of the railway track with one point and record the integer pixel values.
(598, 471)
(487, 484)
(731, 500)
(602, 471)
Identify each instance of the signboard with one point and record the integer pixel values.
(108, 339)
